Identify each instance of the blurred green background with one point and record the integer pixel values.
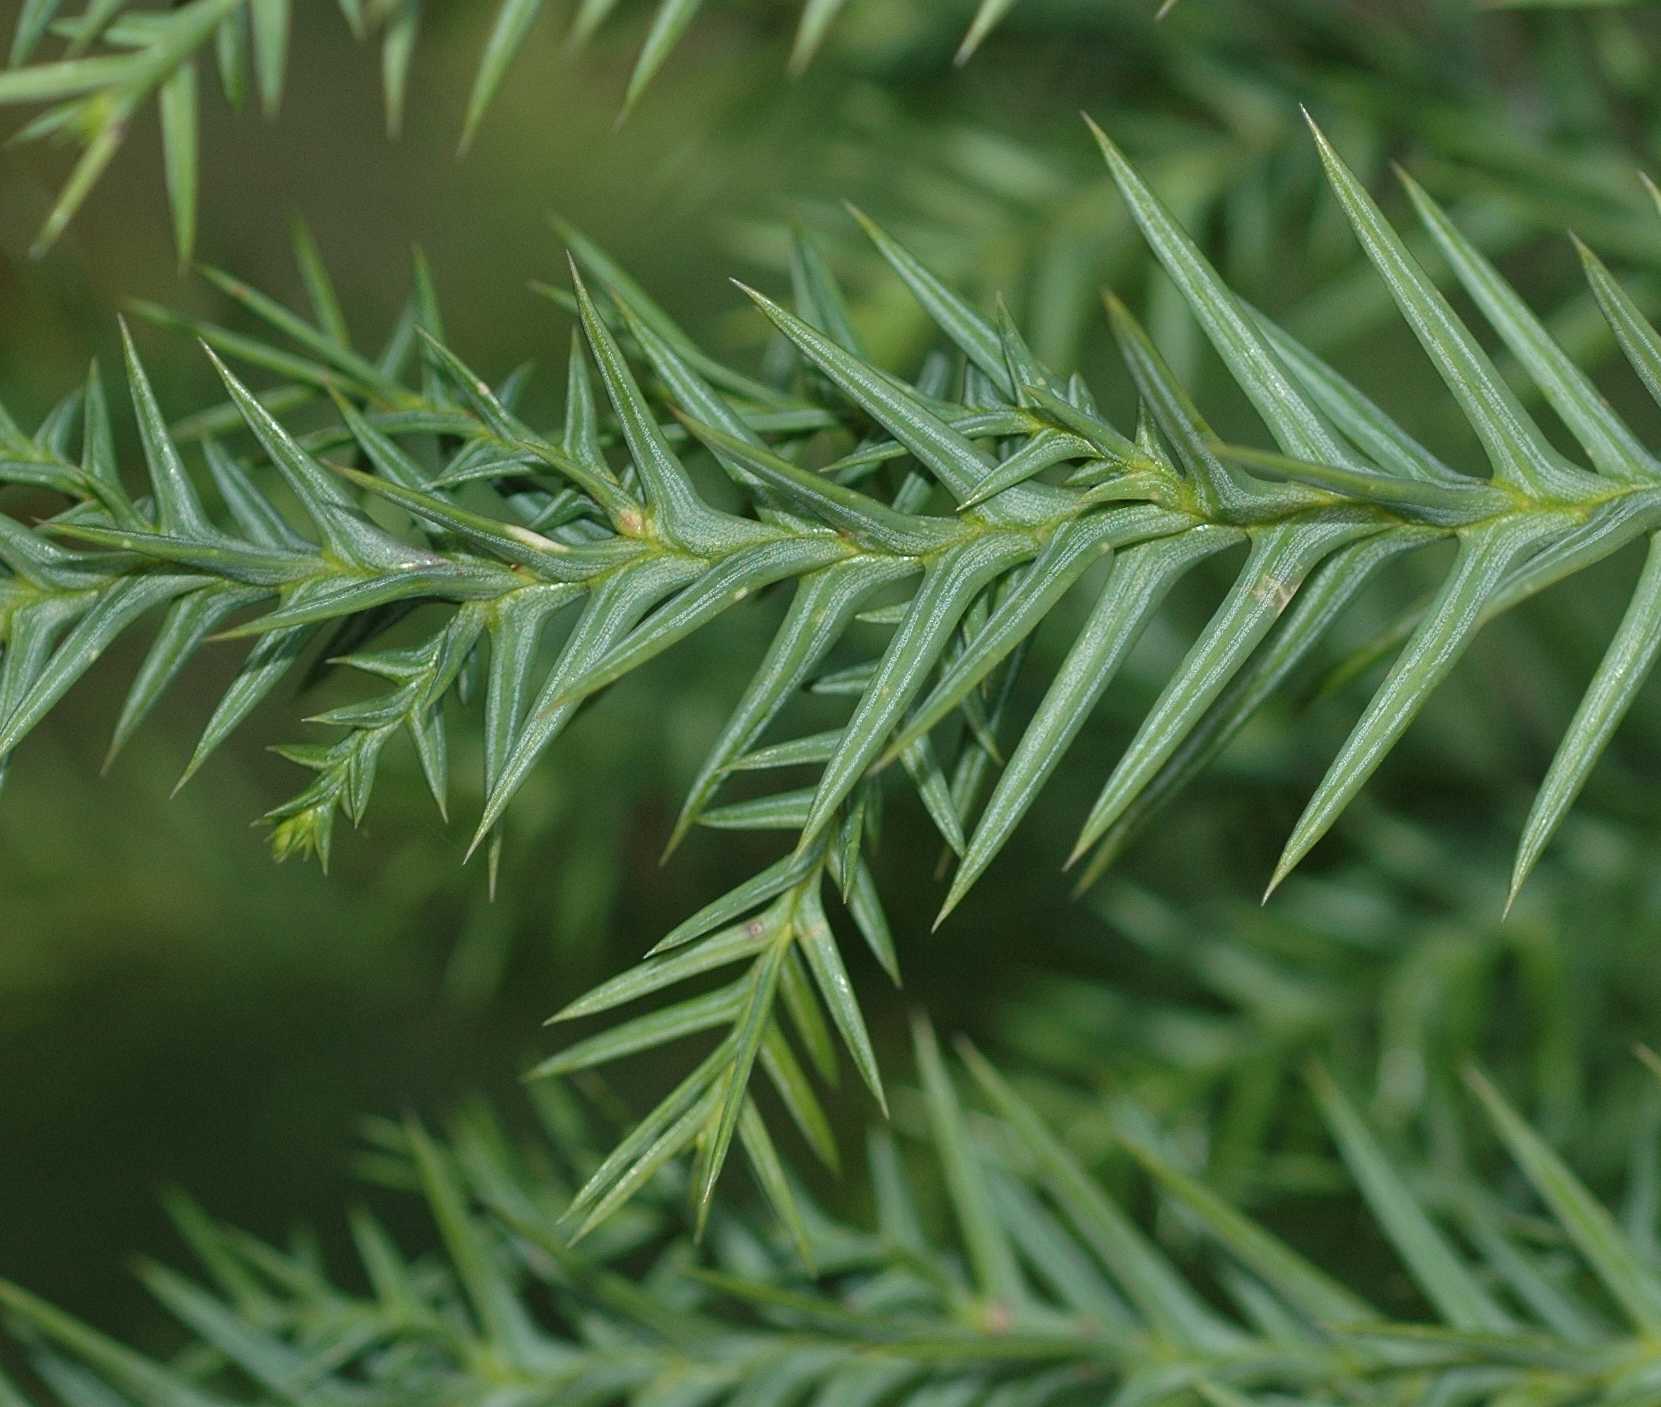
(176, 1009)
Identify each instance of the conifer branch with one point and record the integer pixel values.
(959, 508)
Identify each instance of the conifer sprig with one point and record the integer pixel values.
(953, 510)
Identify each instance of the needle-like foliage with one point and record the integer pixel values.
(1018, 205)
(1391, 970)
(1045, 1286)
(116, 57)
(1143, 517)
(951, 512)
(1013, 207)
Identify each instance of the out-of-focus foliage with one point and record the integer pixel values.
(1394, 972)
(115, 56)
(1040, 1288)
(1520, 141)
